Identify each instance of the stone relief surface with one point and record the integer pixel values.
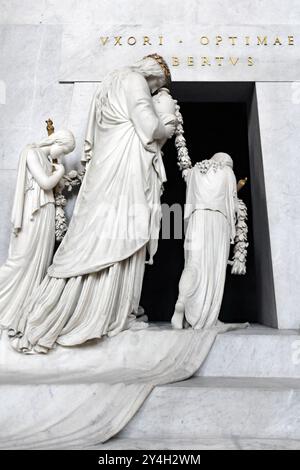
(53, 55)
(209, 12)
(279, 117)
(29, 62)
(7, 183)
(43, 52)
(201, 52)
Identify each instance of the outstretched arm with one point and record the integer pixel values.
(45, 181)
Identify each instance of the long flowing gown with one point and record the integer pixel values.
(94, 284)
(31, 248)
(210, 212)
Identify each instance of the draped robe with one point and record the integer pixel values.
(94, 284)
(118, 208)
(31, 243)
(210, 209)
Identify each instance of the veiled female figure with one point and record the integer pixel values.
(210, 210)
(94, 284)
(33, 221)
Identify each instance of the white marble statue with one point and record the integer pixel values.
(33, 223)
(94, 284)
(210, 211)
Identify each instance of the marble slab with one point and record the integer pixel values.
(29, 64)
(132, 11)
(216, 443)
(19, 52)
(7, 183)
(255, 352)
(51, 99)
(279, 118)
(30, 58)
(218, 407)
(12, 141)
(194, 53)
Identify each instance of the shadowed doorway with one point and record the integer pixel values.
(217, 118)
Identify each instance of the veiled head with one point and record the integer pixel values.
(223, 158)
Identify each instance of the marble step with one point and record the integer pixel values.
(220, 407)
(234, 443)
(254, 352)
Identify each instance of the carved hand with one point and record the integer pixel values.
(170, 130)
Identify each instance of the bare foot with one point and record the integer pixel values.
(177, 319)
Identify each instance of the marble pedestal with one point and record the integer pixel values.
(246, 395)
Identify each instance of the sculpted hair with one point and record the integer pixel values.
(148, 67)
(63, 137)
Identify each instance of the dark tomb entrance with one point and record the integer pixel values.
(218, 117)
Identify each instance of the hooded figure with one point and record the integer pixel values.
(210, 212)
(94, 284)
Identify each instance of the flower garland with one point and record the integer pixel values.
(205, 165)
(183, 160)
(238, 262)
(70, 181)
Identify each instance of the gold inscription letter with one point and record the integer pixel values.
(131, 41)
(232, 39)
(277, 42)
(219, 39)
(104, 40)
(118, 40)
(205, 61)
(233, 60)
(262, 41)
(204, 40)
(219, 61)
(147, 41)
